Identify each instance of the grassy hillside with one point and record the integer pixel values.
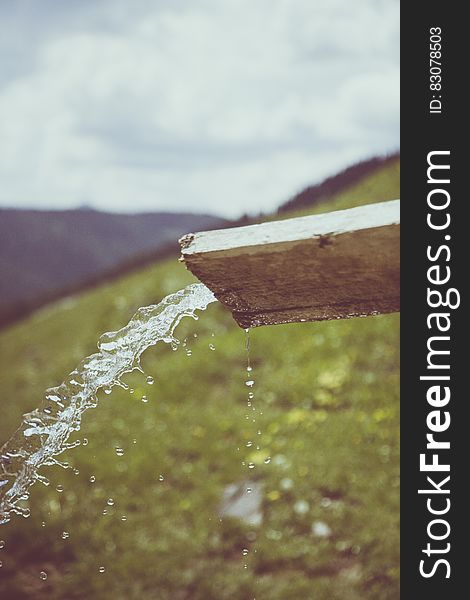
(315, 195)
(379, 186)
(326, 396)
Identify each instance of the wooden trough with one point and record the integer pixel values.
(334, 265)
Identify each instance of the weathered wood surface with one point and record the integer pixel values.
(335, 265)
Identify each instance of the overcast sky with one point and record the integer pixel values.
(224, 106)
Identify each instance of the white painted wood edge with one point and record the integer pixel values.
(291, 230)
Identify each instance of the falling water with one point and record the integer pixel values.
(44, 432)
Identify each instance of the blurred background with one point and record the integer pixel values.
(125, 125)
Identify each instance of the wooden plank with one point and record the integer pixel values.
(334, 265)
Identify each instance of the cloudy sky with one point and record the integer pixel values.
(224, 106)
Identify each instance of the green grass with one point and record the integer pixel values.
(328, 394)
(380, 186)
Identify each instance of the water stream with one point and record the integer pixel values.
(44, 432)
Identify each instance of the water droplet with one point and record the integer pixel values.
(65, 535)
(85, 442)
(250, 383)
(144, 399)
(123, 518)
(287, 483)
(251, 395)
(189, 352)
(245, 566)
(251, 465)
(108, 390)
(259, 432)
(245, 551)
(321, 529)
(55, 398)
(1, 564)
(76, 472)
(43, 575)
(2, 544)
(119, 451)
(131, 390)
(249, 490)
(60, 488)
(43, 523)
(267, 460)
(101, 569)
(134, 441)
(110, 502)
(92, 479)
(301, 507)
(160, 478)
(249, 444)
(26, 513)
(150, 380)
(211, 346)
(105, 511)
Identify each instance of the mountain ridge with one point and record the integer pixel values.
(42, 252)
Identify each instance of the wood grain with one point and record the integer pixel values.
(335, 265)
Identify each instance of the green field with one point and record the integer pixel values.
(326, 399)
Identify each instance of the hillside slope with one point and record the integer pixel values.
(45, 251)
(326, 424)
(315, 195)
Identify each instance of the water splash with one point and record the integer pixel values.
(44, 432)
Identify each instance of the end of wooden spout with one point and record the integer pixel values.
(334, 265)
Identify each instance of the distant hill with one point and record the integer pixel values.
(43, 252)
(322, 192)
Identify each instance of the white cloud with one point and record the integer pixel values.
(210, 106)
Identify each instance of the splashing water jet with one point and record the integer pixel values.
(44, 432)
